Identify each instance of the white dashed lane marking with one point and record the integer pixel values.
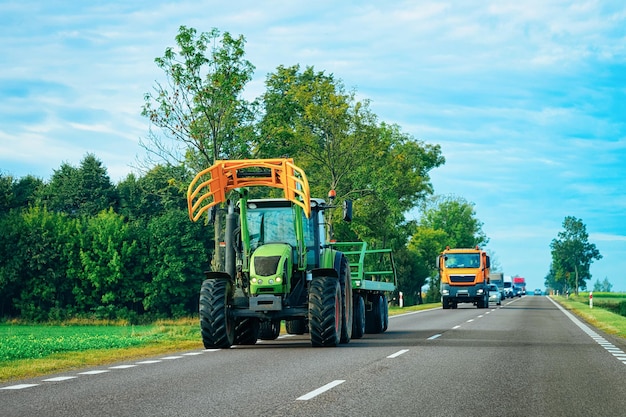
(398, 353)
(320, 390)
(102, 371)
(59, 379)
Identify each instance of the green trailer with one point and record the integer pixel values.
(373, 275)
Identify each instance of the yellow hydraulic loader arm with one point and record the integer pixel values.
(209, 187)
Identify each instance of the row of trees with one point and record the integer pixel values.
(79, 244)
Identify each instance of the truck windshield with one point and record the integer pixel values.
(462, 260)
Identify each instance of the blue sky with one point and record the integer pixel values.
(526, 98)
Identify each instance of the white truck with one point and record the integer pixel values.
(508, 287)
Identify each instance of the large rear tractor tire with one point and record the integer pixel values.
(270, 330)
(217, 325)
(358, 329)
(345, 279)
(325, 312)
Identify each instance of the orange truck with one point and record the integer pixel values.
(464, 277)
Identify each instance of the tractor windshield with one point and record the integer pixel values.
(462, 260)
(275, 224)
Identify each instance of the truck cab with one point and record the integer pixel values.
(464, 277)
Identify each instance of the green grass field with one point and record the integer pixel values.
(31, 350)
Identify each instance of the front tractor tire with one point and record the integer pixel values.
(217, 326)
(325, 312)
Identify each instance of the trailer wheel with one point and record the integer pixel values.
(269, 329)
(325, 312)
(385, 313)
(216, 322)
(246, 331)
(295, 326)
(346, 296)
(374, 317)
(358, 318)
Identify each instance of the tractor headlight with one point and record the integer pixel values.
(279, 280)
(445, 292)
(480, 291)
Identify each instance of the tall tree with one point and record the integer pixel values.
(200, 109)
(445, 221)
(572, 254)
(341, 146)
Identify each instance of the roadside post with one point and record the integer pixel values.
(590, 299)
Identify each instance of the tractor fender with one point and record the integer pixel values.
(324, 272)
(217, 275)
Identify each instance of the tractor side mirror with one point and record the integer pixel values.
(347, 210)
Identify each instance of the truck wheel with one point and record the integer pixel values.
(346, 296)
(325, 315)
(358, 318)
(269, 329)
(246, 331)
(296, 326)
(217, 325)
(374, 317)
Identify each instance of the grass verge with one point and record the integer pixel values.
(604, 320)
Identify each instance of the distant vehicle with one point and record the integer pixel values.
(538, 292)
(517, 291)
(498, 279)
(495, 296)
(520, 282)
(508, 287)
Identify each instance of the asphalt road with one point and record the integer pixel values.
(525, 358)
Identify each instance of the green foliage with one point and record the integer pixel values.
(201, 106)
(604, 286)
(83, 191)
(572, 256)
(179, 254)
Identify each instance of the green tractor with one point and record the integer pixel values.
(278, 262)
